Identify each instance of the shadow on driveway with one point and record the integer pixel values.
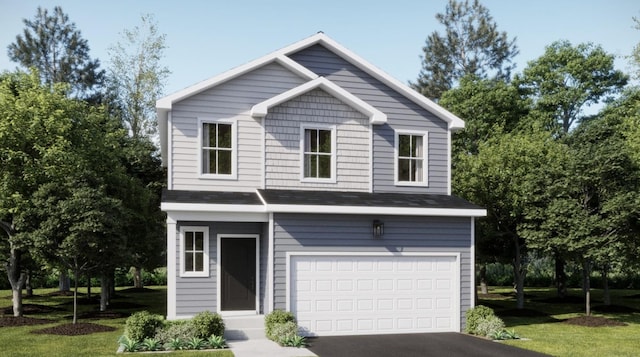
(448, 344)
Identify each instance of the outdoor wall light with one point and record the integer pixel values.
(378, 229)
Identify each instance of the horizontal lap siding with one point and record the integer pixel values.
(282, 143)
(352, 233)
(229, 100)
(401, 113)
(196, 294)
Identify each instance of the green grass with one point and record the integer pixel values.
(548, 334)
(19, 341)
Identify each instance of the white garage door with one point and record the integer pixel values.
(352, 294)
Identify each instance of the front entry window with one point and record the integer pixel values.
(195, 256)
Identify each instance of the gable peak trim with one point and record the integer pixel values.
(377, 117)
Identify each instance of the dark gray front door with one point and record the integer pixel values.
(238, 272)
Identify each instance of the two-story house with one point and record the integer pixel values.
(311, 181)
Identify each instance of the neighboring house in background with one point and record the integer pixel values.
(309, 180)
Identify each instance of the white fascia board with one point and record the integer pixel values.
(375, 116)
(454, 122)
(208, 207)
(394, 211)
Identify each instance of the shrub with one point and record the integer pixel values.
(489, 326)
(196, 343)
(151, 344)
(217, 342)
(295, 341)
(128, 344)
(172, 330)
(206, 324)
(142, 325)
(283, 333)
(274, 318)
(475, 315)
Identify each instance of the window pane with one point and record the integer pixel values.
(224, 136)
(224, 162)
(310, 165)
(209, 135)
(188, 241)
(313, 140)
(324, 166)
(324, 141)
(188, 262)
(403, 170)
(416, 144)
(199, 262)
(417, 168)
(199, 241)
(213, 166)
(404, 145)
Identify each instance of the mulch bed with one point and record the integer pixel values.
(10, 321)
(80, 328)
(593, 321)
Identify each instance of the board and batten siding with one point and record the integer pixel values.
(352, 233)
(230, 100)
(402, 114)
(282, 143)
(197, 294)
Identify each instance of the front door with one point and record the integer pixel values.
(238, 273)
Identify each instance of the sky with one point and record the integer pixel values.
(208, 37)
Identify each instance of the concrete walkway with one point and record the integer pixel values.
(263, 347)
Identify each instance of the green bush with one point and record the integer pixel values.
(476, 315)
(142, 325)
(274, 318)
(489, 326)
(206, 324)
(285, 332)
(179, 329)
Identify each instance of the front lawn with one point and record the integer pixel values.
(47, 304)
(544, 322)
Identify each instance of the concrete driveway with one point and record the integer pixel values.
(448, 344)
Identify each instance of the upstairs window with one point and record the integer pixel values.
(318, 153)
(195, 251)
(217, 149)
(411, 154)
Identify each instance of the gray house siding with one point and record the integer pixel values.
(282, 143)
(402, 113)
(230, 100)
(196, 294)
(339, 233)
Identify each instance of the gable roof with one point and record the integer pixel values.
(164, 105)
(375, 116)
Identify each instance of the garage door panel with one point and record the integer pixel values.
(340, 295)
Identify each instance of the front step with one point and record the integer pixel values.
(244, 327)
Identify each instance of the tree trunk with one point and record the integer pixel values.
(64, 283)
(137, 278)
(27, 284)
(16, 279)
(519, 273)
(561, 276)
(88, 287)
(104, 292)
(586, 271)
(75, 295)
(605, 285)
(483, 279)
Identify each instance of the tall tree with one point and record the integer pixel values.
(53, 45)
(137, 77)
(567, 78)
(471, 45)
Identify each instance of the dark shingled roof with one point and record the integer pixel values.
(338, 198)
(212, 197)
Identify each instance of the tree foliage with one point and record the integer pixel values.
(567, 78)
(52, 45)
(136, 76)
(471, 45)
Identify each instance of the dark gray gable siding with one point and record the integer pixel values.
(339, 233)
(402, 114)
(195, 294)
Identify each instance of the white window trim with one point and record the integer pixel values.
(334, 144)
(234, 149)
(205, 246)
(425, 155)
